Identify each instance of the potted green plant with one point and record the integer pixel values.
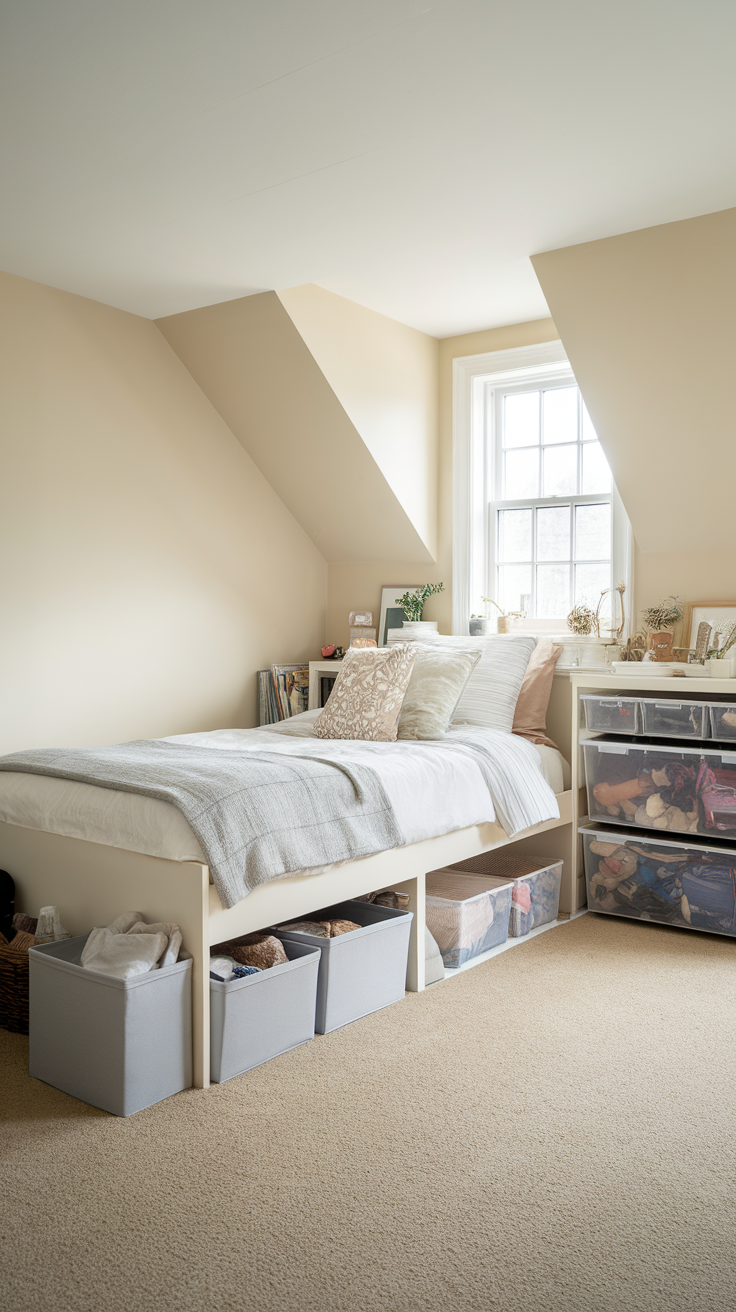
(478, 625)
(412, 604)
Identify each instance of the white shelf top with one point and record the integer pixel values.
(607, 681)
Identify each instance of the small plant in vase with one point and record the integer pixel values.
(412, 604)
(479, 623)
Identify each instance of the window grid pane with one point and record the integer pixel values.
(553, 533)
(521, 473)
(514, 536)
(560, 471)
(560, 415)
(521, 419)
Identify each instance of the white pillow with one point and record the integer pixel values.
(438, 678)
(492, 691)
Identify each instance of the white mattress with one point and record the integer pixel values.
(426, 798)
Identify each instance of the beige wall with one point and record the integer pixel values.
(694, 575)
(253, 365)
(648, 323)
(384, 374)
(149, 568)
(352, 586)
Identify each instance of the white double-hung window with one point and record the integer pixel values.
(549, 499)
(537, 523)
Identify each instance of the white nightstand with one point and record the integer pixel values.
(317, 671)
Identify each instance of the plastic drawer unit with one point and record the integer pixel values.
(684, 789)
(535, 897)
(119, 1044)
(667, 718)
(611, 714)
(690, 885)
(723, 721)
(361, 971)
(467, 914)
(260, 1016)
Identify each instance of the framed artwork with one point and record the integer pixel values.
(721, 615)
(392, 615)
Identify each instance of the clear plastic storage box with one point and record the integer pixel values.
(723, 721)
(260, 1016)
(119, 1044)
(611, 714)
(667, 718)
(688, 885)
(683, 789)
(361, 971)
(467, 914)
(535, 898)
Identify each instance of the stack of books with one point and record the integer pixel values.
(283, 691)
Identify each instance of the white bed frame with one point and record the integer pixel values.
(91, 884)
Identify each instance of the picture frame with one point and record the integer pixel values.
(719, 614)
(392, 615)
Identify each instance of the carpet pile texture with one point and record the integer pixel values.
(553, 1130)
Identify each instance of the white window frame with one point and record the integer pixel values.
(473, 480)
(496, 392)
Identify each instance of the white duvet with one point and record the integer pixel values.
(429, 794)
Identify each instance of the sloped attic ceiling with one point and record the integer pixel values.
(255, 368)
(648, 323)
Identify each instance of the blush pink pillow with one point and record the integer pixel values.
(530, 716)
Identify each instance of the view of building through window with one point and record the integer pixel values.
(549, 531)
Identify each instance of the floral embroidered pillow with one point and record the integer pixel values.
(368, 694)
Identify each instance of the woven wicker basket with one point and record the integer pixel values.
(14, 982)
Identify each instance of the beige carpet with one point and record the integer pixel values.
(553, 1130)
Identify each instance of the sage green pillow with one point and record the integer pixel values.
(438, 678)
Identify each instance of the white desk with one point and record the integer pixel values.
(316, 670)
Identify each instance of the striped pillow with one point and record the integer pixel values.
(492, 691)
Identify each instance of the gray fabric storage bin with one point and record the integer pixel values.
(362, 971)
(259, 1017)
(119, 1044)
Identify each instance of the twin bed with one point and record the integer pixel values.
(95, 850)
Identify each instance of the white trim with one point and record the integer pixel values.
(468, 458)
(622, 561)
(518, 357)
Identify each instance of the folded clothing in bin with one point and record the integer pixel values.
(466, 914)
(119, 1044)
(321, 928)
(129, 946)
(257, 1017)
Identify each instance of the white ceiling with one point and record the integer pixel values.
(160, 155)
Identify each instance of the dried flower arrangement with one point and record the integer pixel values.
(635, 647)
(582, 620)
(664, 616)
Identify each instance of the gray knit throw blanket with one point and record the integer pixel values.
(257, 815)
